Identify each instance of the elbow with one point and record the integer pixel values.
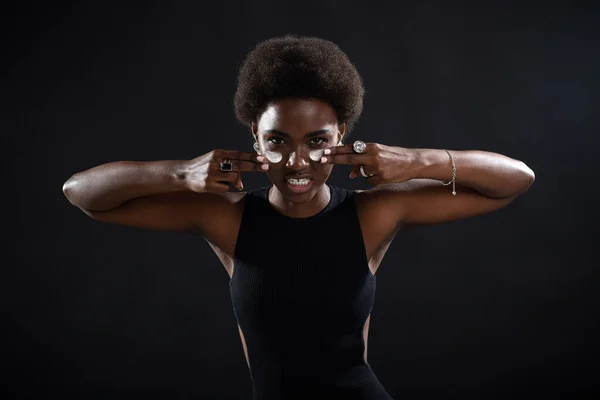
(519, 182)
(72, 190)
(528, 177)
(68, 188)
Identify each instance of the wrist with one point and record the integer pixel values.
(423, 161)
(431, 164)
(179, 174)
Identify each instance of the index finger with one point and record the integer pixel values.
(344, 149)
(248, 166)
(348, 158)
(240, 155)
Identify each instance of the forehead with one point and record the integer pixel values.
(297, 115)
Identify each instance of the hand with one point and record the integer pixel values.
(203, 174)
(388, 164)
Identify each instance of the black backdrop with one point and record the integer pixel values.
(498, 306)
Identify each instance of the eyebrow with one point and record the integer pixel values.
(310, 134)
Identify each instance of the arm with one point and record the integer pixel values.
(490, 174)
(109, 185)
(151, 195)
(408, 188)
(485, 182)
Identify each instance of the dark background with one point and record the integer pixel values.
(499, 306)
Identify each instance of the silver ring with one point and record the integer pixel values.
(359, 147)
(226, 166)
(363, 173)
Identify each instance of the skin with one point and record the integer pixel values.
(288, 127)
(485, 182)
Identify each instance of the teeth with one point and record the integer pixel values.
(298, 181)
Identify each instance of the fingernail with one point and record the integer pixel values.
(323, 159)
(264, 166)
(260, 159)
(327, 151)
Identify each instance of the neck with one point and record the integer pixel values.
(299, 210)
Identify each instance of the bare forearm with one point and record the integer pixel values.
(108, 185)
(491, 174)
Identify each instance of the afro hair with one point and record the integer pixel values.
(298, 67)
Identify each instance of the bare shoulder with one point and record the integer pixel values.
(221, 224)
(427, 202)
(213, 215)
(377, 226)
(385, 201)
(234, 197)
(383, 195)
(379, 206)
(374, 204)
(406, 186)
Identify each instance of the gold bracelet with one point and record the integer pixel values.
(453, 180)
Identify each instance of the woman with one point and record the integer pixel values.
(302, 305)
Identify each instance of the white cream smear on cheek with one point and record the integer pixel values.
(316, 155)
(268, 119)
(273, 156)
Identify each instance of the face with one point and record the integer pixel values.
(292, 134)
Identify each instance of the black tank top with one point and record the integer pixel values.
(301, 291)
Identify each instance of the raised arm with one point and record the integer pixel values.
(174, 195)
(107, 186)
(409, 187)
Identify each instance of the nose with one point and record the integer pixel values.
(297, 160)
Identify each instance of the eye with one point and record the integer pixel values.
(275, 140)
(319, 140)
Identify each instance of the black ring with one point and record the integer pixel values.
(226, 166)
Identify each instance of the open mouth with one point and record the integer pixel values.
(299, 185)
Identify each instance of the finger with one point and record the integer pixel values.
(238, 183)
(240, 155)
(344, 149)
(233, 178)
(242, 166)
(219, 187)
(374, 180)
(348, 149)
(225, 176)
(353, 158)
(369, 171)
(249, 166)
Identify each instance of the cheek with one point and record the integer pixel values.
(273, 156)
(276, 156)
(316, 155)
(327, 168)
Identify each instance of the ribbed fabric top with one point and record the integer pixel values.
(301, 291)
